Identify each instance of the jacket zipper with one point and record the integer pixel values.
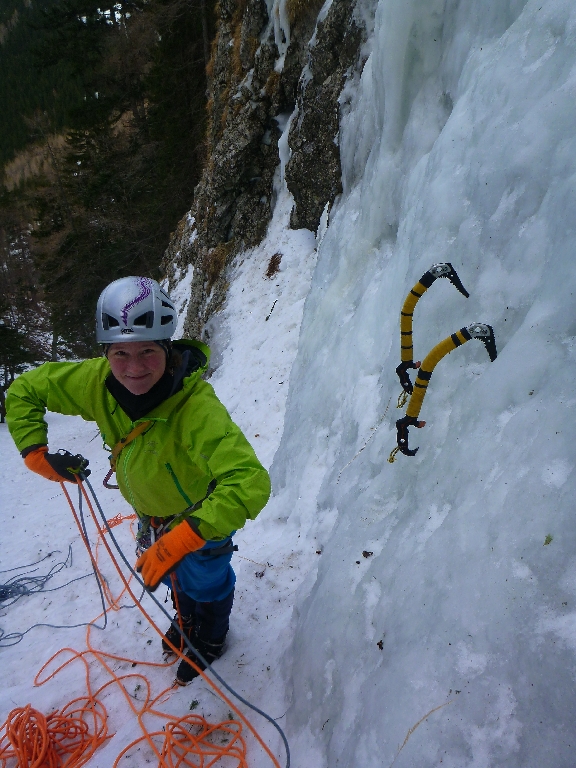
(127, 455)
(181, 490)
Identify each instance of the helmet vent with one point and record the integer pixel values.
(108, 321)
(146, 320)
(165, 304)
(166, 319)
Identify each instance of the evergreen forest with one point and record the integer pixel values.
(102, 129)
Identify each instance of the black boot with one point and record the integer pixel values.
(174, 636)
(186, 607)
(210, 650)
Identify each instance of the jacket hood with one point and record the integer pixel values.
(195, 356)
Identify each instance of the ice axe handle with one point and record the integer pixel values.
(402, 433)
(402, 371)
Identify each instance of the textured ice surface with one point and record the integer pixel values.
(459, 145)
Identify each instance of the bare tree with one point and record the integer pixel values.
(24, 327)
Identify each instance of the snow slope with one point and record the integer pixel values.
(458, 144)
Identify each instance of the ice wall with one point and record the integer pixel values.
(459, 146)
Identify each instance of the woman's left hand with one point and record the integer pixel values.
(165, 554)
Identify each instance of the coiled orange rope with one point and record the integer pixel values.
(70, 737)
(65, 738)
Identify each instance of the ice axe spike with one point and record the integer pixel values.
(446, 269)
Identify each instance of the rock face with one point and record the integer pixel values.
(313, 173)
(261, 70)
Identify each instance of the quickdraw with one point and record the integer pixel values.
(481, 331)
(406, 348)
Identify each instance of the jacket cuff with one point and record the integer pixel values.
(194, 525)
(31, 448)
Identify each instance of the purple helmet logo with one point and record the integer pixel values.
(145, 286)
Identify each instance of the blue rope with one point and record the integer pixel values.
(26, 585)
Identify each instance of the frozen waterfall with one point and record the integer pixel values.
(458, 144)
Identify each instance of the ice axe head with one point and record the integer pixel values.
(447, 270)
(485, 333)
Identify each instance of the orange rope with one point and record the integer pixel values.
(210, 743)
(119, 518)
(70, 737)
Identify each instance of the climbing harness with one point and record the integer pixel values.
(480, 331)
(406, 348)
(226, 549)
(150, 529)
(120, 445)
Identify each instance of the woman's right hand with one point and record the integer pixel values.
(55, 466)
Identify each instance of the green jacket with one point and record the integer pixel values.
(192, 441)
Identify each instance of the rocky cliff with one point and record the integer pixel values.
(272, 62)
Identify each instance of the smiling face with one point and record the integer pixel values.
(138, 365)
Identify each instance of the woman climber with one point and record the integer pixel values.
(184, 466)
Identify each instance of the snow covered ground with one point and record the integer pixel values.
(438, 591)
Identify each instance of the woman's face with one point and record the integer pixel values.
(138, 365)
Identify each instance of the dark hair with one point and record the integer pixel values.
(174, 361)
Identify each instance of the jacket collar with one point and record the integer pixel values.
(195, 357)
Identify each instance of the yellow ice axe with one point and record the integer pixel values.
(485, 333)
(406, 349)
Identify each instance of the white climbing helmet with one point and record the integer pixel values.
(134, 309)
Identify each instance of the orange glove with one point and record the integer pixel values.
(166, 553)
(54, 466)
